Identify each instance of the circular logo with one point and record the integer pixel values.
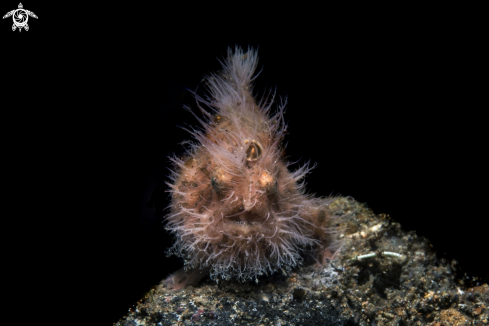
(20, 17)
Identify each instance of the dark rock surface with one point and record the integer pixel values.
(400, 282)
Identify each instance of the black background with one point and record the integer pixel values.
(390, 108)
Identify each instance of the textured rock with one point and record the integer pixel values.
(413, 287)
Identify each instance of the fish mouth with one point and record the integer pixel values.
(244, 223)
(245, 218)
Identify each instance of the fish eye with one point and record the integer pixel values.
(272, 188)
(220, 181)
(218, 185)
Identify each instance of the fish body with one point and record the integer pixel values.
(237, 210)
